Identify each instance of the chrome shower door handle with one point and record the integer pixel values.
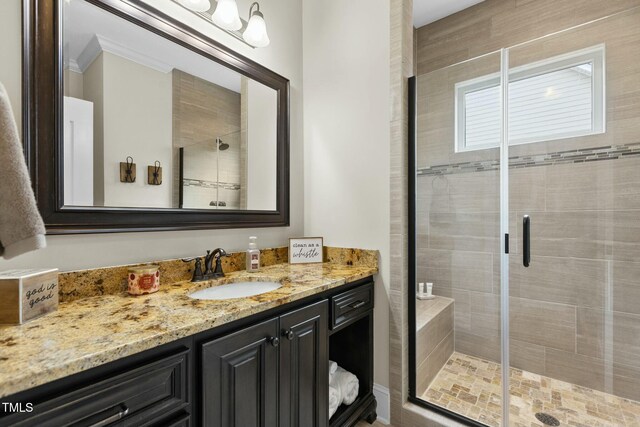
(526, 240)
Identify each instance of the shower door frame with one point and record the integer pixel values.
(504, 247)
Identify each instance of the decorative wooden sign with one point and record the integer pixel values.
(305, 250)
(27, 294)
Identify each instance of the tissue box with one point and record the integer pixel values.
(27, 294)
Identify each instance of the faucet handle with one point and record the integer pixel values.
(217, 254)
(197, 270)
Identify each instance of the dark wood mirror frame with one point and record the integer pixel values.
(43, 131)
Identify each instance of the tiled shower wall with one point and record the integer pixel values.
(203, 111)
(575, 313)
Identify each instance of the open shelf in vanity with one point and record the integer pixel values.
(351, 347)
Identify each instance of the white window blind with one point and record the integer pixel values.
(555, 99)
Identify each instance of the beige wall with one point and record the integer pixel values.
(93, 91)
(73, 84)
(574, 312)
(137, 123)
(244, 125)
(284, 56)
(347, 119)
(132, 117)
(262, 146)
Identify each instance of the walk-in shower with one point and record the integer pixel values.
(525, 214)
(212, 173)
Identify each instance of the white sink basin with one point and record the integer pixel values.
(235, 290)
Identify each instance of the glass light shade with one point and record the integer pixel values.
(196, 5)
(226, 15)
(256, 32)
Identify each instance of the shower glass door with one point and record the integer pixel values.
(457, 342)
(574, 180)
(540, 141)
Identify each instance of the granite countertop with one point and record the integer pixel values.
(89, 332)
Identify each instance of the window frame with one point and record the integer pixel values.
(595, 55)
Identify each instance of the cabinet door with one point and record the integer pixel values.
(240, 378)
(304, 364)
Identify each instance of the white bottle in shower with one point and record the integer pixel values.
(425, 292)
(429, 289)
(253, 255)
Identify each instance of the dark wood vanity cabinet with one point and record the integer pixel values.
(267, 370)
(280, 364)
(240, 378)
(152, 391)
(304, 376)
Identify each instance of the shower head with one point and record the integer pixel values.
(221, 145)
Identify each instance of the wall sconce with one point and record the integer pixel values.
(256, 32)
(224, 15)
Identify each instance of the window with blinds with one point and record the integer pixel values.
(558, 98)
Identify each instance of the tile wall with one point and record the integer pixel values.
(203, 111)
(575, 312)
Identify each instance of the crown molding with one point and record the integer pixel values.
(99, 44)
(73, 66)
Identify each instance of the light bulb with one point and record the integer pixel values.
(196, 5)
(256, 32)
(226, 15)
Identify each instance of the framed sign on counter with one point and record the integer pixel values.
(305, 250)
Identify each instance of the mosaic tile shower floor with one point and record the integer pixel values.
(471, 387)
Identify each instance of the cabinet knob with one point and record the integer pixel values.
(289, 334)
(274, 341)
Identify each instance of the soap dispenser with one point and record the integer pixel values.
(253, 255)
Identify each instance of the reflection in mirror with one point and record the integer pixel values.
(131, 93)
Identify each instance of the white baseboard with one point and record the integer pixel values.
(382, 398)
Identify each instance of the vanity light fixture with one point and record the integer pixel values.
(196, 5)
(256, 32)
(225, 16)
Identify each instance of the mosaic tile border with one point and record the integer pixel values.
(210, 184)
(611, 152)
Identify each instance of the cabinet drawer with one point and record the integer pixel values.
(130, 398)
(182, 419)
(351, 304)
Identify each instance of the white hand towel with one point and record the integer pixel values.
(21, 226)
(333, 366)
(335, 399)
(348, 384)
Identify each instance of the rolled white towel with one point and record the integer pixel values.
(348, 385)
(335, 399)
(333, 366)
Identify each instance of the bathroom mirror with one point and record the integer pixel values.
(156, 125)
